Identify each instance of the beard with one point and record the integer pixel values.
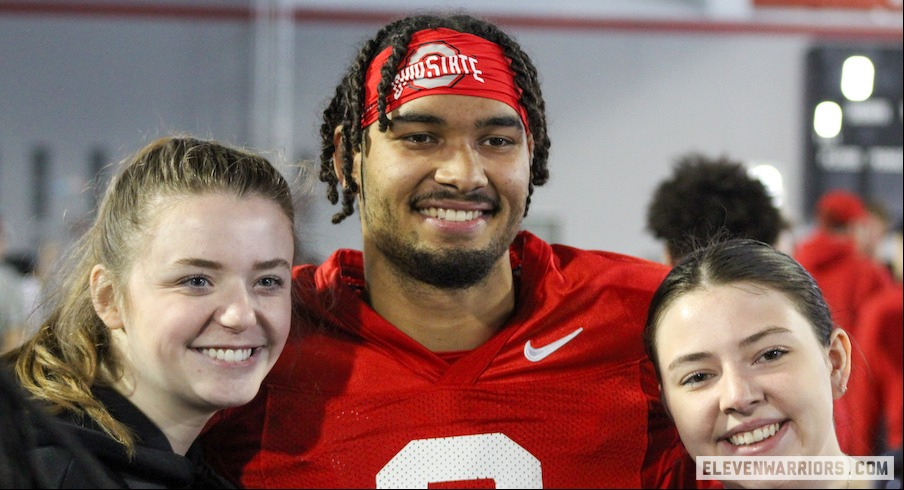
(448, 268)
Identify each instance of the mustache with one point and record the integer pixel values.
(476, 197)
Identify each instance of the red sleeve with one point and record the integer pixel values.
(667, 464)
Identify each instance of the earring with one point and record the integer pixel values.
(844, 388)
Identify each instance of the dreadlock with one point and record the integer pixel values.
(347, 104)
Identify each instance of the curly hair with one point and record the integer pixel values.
(705, 199)
(347, 105)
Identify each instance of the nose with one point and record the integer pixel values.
(239, 309)
(739, 392)
(463, 169)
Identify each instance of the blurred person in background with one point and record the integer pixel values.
(874, 232)
(848, 278)
(882, 325)
(708, 198)
(41, 267)
(12, 299)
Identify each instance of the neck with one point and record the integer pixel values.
(181, 427)
(182, 433)
(442, 319)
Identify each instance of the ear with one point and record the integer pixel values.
(103, 297)
(840, 361)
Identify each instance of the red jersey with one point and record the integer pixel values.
(561, 396)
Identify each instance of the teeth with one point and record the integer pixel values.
(228, 355)
(756, 435)
(451, 214)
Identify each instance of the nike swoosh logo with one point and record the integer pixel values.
(535, 354)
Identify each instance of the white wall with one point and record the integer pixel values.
(623, 102)
(74, 83)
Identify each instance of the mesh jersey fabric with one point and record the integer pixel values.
(355, 403)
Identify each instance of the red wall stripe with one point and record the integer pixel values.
(832, 4)
(240, 13)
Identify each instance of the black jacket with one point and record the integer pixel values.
(98, 461)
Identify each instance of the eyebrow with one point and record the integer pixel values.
(417, 117)
(210, 264)
(424, 118)
(699, 356)
(759, 335)
(504, 121)
(696, 356)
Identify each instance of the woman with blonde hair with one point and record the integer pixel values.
(176, 304)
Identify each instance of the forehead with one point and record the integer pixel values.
(182, 218)
(460, 105)
(724, 315)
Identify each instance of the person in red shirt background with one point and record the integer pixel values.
(848, 279)
(883, 339)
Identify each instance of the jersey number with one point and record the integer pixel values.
(461, 458)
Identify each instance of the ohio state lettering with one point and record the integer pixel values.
(443, 62)
(433, 65)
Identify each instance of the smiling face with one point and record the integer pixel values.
(743, 374)
(207, 305)
(444, 190)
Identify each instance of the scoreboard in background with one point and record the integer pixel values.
(853, 124)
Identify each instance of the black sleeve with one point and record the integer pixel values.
(35, 452)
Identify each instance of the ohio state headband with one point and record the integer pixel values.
(444, 61)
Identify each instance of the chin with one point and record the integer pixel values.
(232, 400)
